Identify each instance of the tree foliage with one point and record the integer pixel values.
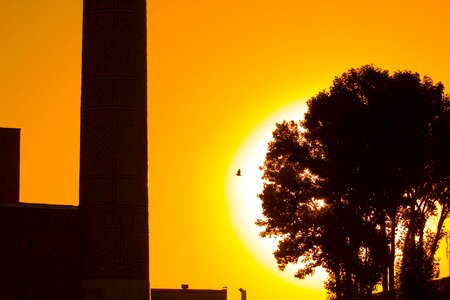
(356, 181)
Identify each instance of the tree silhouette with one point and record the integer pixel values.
(357, 182)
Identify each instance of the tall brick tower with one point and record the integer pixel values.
(113, 154)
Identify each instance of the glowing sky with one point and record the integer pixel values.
(217, 71)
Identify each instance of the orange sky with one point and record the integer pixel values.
(217, 70)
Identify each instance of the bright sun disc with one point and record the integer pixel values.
(245, 206)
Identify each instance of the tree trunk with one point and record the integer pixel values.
(337, 276)
(440, 226)
(392, 258)
(384, 281)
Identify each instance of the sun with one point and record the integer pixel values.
(245, 206)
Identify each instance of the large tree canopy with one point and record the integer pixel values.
(355, 182)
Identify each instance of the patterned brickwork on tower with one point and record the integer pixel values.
(113, 155)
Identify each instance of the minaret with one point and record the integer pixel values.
(113, 154)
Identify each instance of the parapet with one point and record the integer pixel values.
(9, 164)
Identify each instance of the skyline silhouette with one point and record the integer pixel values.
(97, 250)
(216, 71)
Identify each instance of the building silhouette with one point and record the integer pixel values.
(99, 249)
(188, 294)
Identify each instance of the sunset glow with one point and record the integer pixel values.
(220, 73)
(243, 193)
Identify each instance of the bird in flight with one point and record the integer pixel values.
(238, 173)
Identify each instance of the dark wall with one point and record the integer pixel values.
(39, 252)
(187, 294)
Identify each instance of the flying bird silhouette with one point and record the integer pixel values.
(238, 173)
